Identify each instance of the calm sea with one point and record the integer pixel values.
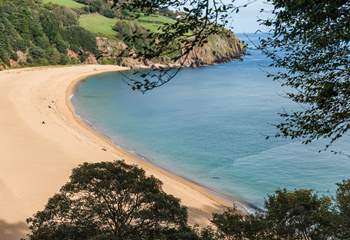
(209, 125)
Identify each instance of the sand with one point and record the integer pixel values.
(42, 140)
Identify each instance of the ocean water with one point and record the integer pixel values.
(209, 125)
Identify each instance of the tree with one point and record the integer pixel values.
(309, 43)
(110, 200)
(39, 30)
(343, 210)
(113, 200)
(294, 215)
(197, 20)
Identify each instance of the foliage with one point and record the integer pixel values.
(98, 24)
(297, 215)
(343, 210)
(56, 26)
(102, 7)
(189, 27)
(309, 42)
(78, 37)
(110, 200)
(134, 31)
(42, 33)
(133, 34)
(66, 3)
(154, 23)
(65, 16)
(113, 200)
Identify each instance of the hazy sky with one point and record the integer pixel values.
(246, 19)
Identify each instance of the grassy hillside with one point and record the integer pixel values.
(66, 3)
(154, 22)
(103, 26)
(98, 24)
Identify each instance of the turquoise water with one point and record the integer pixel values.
(209, 125)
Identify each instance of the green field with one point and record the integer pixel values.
(66, 3)
(153, 22)
(98, 24)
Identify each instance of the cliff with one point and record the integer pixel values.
(218, 49)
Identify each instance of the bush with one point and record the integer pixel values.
(133, 34)
(66, 16)
(53, 56)
(107, 12)
(299, 214)
(64, 59)
(80, 39)
(36, 52)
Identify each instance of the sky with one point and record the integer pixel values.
(246, 20)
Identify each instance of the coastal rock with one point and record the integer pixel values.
(91, 59)
(218, 49)
(110, 48)
(21, 57)
(72, 54)
(13, 64)
(134, 63)
(2, 67)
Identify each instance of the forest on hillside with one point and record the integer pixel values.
(51, 32)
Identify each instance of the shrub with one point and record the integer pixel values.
(133, 34)
(300, 214)
(80, 39)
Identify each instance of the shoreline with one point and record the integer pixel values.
(243, 206)
(43, 139)
(223, 199)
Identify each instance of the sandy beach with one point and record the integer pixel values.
(42, 140)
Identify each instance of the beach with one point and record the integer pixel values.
(42, 140)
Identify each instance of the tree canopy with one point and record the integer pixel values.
(113, 200)
(296, 215)
(33, 34)
(110, 200)
(309, 43)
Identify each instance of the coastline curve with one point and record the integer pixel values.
(43, 139)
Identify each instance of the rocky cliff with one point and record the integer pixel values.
(219, 49)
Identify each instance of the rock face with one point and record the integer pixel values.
(110, 47)
(91, 59)
(21, 58)
(218, 49)
(72, 54)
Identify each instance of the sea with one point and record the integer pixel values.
(210, 124)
